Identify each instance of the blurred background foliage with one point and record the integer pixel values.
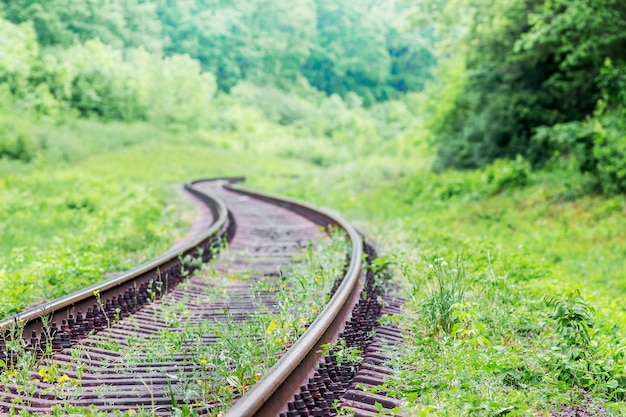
(479, 81)
(309, 69)
(540, 79)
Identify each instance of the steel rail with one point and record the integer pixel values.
(276, 388)
(62, 307)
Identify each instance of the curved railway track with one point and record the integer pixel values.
(86, 336)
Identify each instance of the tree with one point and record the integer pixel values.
(19, 51)
(119, 23)
(264, 41)
(528, 64)
(352, 51)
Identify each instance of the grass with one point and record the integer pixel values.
(526, 241)
(66, 224)
(500, 348)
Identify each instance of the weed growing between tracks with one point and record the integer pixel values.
(243, 347)
(222, 357)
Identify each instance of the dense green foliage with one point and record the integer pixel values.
(129, 23)
(537, 78)
(337, 47)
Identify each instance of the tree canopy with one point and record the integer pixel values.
(527, 64)
(336, 46)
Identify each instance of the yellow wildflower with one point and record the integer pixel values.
(271, 327)
(202, 361)
(131, 411)
(63, 378)
(96, 293)
(257, 376)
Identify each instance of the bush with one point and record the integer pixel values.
(609, 153)
(598, 146)
(506, 174)
(18, 51)
(446, 288)
(16, 140)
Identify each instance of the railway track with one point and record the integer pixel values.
(138, 342)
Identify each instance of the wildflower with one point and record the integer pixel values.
(314, 308)
(257, 376)
(63, 378)
(43, 373)
(96, 293)
(131, 411)
(202, 361)
(271, 327)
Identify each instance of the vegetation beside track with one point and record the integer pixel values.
(513, 296)
(209, 375)
(530, 321)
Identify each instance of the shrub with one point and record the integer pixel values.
(598, 146)
(609, 153)
(507, 174)
(16, 140)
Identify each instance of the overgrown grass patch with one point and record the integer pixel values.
(69, 223)
(499, 348)
(522, 237)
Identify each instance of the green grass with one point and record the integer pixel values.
(502, 350)
(68, 223)
(526, 241)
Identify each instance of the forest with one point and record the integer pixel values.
(487, 137)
